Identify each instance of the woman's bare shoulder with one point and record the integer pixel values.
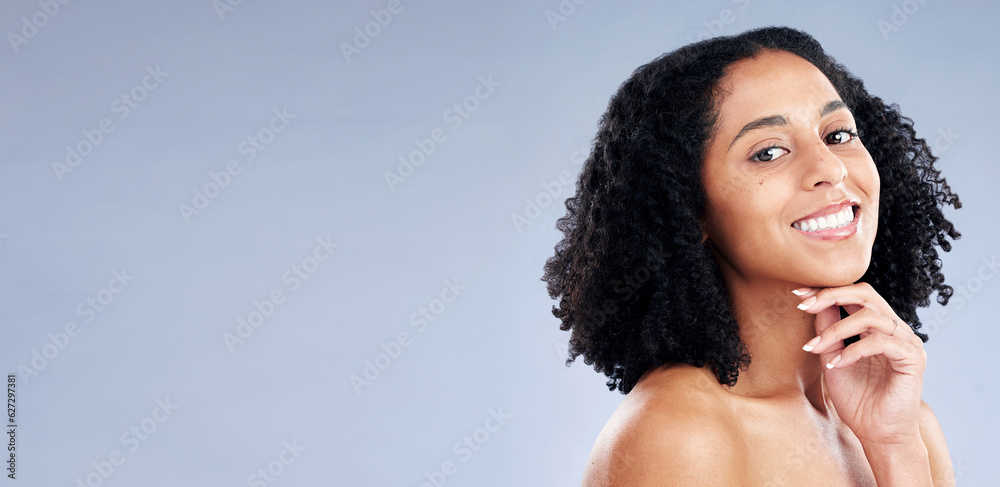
(675, 424)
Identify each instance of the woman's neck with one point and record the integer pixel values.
(774, 330)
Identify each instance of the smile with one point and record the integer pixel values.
(833, 221)
(838, 225)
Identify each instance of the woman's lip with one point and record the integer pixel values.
(830, 209)
(835, 233)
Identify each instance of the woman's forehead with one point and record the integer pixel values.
(772, 83)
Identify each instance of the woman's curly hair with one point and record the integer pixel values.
(636, 286)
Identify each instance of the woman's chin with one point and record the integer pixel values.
(837, 275)
(834, 279)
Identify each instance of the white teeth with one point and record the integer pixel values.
(836, 220)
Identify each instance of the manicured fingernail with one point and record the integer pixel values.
(800, 291)
(833, 363)
(811, 344)
(807, 303)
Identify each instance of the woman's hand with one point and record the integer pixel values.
(874, 383)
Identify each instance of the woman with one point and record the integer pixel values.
(749, 241)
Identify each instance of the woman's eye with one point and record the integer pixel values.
(769, 154)
(841, 136)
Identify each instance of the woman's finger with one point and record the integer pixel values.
(865, 322)
(805, 292)
(855, 296)
(904, 357)
(826, 318)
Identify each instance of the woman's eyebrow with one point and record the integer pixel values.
(832, 106)
(775, 120)
(770, 121)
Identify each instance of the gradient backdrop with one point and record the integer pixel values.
(219, 270)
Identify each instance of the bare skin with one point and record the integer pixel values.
(823, 415)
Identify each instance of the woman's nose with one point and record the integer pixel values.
(822, 166)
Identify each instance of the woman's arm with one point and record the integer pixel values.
(919, 462)
(901, 464)
(937, 450)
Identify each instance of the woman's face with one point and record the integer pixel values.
(784, 176)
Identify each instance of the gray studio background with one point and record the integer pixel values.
(122, 310)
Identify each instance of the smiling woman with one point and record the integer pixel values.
(772, 183)
(795, 219)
